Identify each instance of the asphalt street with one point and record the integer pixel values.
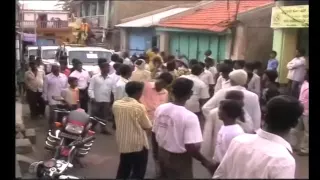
(102, 161)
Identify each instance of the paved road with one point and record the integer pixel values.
(103, 159)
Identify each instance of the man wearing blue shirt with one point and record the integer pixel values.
(273, 62)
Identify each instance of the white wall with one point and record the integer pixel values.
(28, 16)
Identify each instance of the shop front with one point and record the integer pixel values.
(291, 32)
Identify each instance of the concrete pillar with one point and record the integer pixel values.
(285, 44)
(164, 41)
(239, 43)
(124, 39)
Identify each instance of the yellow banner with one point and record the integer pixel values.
(290, 17)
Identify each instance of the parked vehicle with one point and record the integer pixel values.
(57, 166)
(87, 55)
(75, 126)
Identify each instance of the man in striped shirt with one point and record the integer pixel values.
(132, 123)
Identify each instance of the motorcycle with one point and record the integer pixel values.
(74, 126)
(56, 167)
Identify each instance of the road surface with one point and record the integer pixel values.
(102, 161)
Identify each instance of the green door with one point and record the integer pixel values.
(221, 48)
(214, 47)
(184, 44)
(193, 47)
(203, 46)
(174, 44)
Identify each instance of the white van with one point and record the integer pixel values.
(87, 55)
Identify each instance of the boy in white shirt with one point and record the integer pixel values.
(207, 77)
(229, 112)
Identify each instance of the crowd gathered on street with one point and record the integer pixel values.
(231, 116)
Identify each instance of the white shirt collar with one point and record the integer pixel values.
(274, 138)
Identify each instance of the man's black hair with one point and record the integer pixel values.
(171, 65)
(302, 51)
(241, 63)
(102, 60)
(103, 64)
(124, 69)
(71, 79)
(171, 57)
(231, 107)
(229, 62)
(133, 87)
(182, 87)
(196, 69)
(166, 77)
(75, 61)
(271, 74)
(224, 68)
(120, 60)
(139, 62)
(202, 64)
(115, 57)
(234, 95)
(274, 52)
(257, 64)
(208, 52)
(283, 113)
(32, 58)
(116, 66)
(125, 54)
(193, 62)
(249, 66)
(208, 59)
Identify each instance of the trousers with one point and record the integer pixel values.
(133, 165)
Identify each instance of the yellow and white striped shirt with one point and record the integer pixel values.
(131, 122)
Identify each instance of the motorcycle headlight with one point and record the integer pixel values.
(75, 129)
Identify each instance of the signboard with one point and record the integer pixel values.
(290, 17)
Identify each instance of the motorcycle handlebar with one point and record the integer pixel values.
(82, 142)
(99, 120)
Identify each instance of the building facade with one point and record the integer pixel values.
(104, 15)
(290, 33)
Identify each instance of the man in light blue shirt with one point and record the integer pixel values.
(273, 62)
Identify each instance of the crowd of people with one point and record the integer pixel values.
(219, 114)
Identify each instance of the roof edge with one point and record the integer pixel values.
(150, 13)
(255, 10)
(200, 5)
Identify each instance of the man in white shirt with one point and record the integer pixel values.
(83, 81)
(254, 81)
(125, 73)
(176, 135)
(238, 79)
(200, 92)
(34, 87)
(207, 77)
(267, 155)
(296, 73)
(53, 85)
(126, 59)
(223, 80)
(210, 67)
(100, 91)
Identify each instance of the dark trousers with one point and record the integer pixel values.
(294, 88)
(101, 110)
(21, 87)
(36, 103)
(175, 165)
(84, 99)
(135, 162)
